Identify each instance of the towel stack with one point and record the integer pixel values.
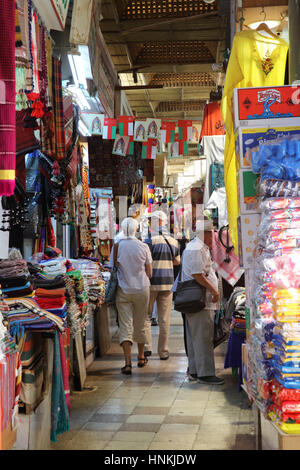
(15, 278)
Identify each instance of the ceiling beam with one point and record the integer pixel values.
(167, 68)
(210, 34)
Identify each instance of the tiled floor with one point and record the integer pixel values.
(156, 408)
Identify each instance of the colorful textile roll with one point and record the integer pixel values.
(7, 98)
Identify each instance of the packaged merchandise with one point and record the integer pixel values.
(279, 188)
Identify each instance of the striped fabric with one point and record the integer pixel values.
(7, 98)
(7, 388)
(163, 274)
(32, 360)
(60, 144)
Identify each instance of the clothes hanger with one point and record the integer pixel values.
(264, 27)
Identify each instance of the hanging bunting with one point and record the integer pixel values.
(167, 131)
(109, 128)
(184, 129)
(194, 133)
(126, 124)
(149, 149)
(183, 148)
(121, 145)
(130, 150)
(140, 134)
(94, 122)
(153, 128)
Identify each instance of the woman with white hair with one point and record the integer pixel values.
(134, 263)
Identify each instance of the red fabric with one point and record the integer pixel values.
(212, 120)
(7, 95)
(25, 138)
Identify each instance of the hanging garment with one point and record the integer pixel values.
(213, 149)
(60, 146)
(212, 120)
(218, 201)
(231, 272)
(255, 61)
(216, 176)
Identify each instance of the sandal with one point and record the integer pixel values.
(142, 361)
(126, 369)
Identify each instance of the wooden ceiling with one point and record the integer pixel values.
(168, 44)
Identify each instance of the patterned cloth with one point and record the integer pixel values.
(7, 389)
(59, 409)
(7, 98)
(231, 272)
(60, 145)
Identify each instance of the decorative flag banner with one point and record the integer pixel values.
(173, 150)
(126, 125)
(121, 145)
(130, 150)
(160, 148)
(167, 131)
(194, 133)
(153, 128)
(184, 129)
(140, 134)
(94, 122)
(109, 128)
(183, 148)
(149, 149)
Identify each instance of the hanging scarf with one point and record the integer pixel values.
(7, 99)
(18, 35)
(60, 152)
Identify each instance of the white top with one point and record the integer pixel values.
(196, 259)
(133, 255)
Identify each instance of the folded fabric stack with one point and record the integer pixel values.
(94, 284)
(50, 294)
(81, 295)
(52, 268)
(15, 278)
(236, 310)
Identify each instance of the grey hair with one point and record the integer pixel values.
(129, 226)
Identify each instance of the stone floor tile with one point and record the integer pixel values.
(157, 410)
(109, 418)
(131, 436)
(126, 445)
(86, 445)
(96, 426)
(176, 419)
(172, 437)
(179, 427)
(140, 427)
(138, 418)
(170, 446)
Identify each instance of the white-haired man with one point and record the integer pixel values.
(197, 264)
(165, 254)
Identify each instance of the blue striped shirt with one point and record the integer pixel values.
(162, 265)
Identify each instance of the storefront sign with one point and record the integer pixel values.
(53, 13)
(267, 103)
(81, 21)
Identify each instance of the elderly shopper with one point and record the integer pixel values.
(165, 253)
(197, 264)
(134, 263)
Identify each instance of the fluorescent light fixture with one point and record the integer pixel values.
(270, 23)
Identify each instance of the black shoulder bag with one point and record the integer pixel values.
(189, 296)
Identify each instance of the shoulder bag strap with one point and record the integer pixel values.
(170, 248)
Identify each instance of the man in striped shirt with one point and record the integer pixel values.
(165, 254)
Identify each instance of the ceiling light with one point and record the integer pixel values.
(208, 1)
(270, 23)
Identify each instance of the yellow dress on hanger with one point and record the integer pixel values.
(256, 60)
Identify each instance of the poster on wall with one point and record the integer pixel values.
(94, 122)
(153, 128)
(121, 145)
(194, 133)
(173, 150)
(140, 133)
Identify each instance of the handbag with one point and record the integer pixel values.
(189, 296)
(112, 285)
(221, 328)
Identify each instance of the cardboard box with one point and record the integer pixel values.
(247, 238)
(248, 139)
(247, 190)
(267, 104)
(272, 438)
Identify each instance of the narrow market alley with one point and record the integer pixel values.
(157, 408)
